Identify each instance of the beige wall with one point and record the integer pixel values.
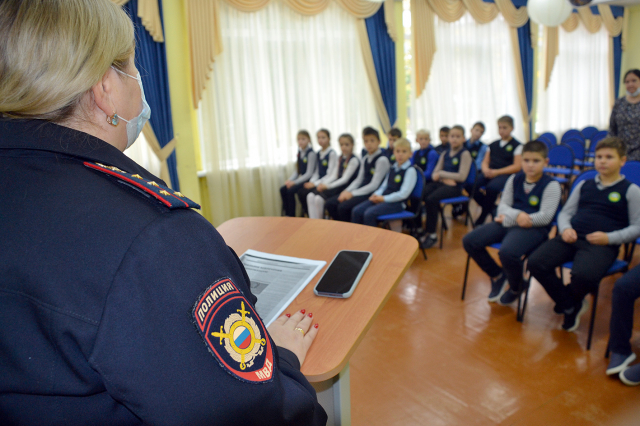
(631, 54)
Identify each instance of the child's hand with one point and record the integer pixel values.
(490, 173)
(321, 187)
(435, 176)
(376, 199)
(449, 182)
(569, 236)
(309, 185)
(499, 219)
(288, 184)
(344, 196)
(598, 238)
(524, 220)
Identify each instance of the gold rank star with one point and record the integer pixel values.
(152, 183)
(179, 194)
(137, 176)
(163, 192)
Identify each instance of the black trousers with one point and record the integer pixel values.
(433, 193)
(516, 242)
(289, 199)
(625, 293)
(493, 188)
(590, 264)
(342, 211)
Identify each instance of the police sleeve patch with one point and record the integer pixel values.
(233, 332)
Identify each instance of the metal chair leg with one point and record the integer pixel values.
(466, 273)
(593, 317)
(520, 315)
(606, 353)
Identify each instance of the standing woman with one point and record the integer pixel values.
(116, 299)
(625, 116)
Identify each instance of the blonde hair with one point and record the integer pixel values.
(54, 51)
(402, 143)
(423, 132)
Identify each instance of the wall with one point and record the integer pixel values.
(631, 54)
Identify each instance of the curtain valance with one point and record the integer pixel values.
(149, 14)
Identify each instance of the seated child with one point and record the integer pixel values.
(448, 179)
(347, 171)
(527, 208)
(501, 160)
(625, 292)
(600, 214)
(373, 168)
(327, 167)
(305, 167)
(474, 145)
(393, 135)
(395, 189)
(426, 157)
(444, 140)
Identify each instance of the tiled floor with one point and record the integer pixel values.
(432, 359)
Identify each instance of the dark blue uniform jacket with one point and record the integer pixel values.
(99, 285)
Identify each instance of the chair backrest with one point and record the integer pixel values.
(578, 148)
(552, 138)
(562, 156)
(631, 171)
(471, 177)
(597, 138)
(589, 174)
(546, 141)
(589, 131)
(571, 134)
(415, 199)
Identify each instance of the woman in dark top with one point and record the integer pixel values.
(625, 116)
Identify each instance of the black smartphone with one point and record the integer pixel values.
(343, 274)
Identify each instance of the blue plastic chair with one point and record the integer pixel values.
(594, 141)
(546, 141)
(577, 145)
(552, 138)
(413, 211)
(561, 162)
(571, 134)
(589, 131)
(471, 181)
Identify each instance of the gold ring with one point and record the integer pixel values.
(300, 330)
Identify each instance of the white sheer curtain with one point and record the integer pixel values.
(280, 72)
(472, 79)
(141, 153)
(578, 92)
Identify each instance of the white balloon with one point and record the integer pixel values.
(549, 12)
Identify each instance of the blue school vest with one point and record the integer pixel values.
(529, 203)
(502, 156)
(604, 211)
(394, 182)
(369, 169)
(452, 164)
(323, 165)
(302, 161)
(421, 158)
(342, 166)
(473, 149)
(389, 154)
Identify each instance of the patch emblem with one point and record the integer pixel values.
(455, 161)
(304, 160)
(324, 163)
(423, 160)
(509, 148)
(397, 179)
(234, 333)
(393, 158)
(474, 154)
(373, 170)
(533, 200)
(614, 197)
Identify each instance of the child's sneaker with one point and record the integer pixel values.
(631, 376)
(508, 298)
(619, 362)
(572, 320)
(498, 287)
(428, 242)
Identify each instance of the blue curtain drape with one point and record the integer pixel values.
(151, 61)
(526, 58)
(383, 49)
(617, 52)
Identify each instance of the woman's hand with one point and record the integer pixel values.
(294, 332)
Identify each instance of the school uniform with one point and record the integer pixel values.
(327, 168)
(395, 189)
(442, 148)
(477, 150)
(426, 159)
(502, 155)
(305, 166)
(592, 206)
(373, 169)
(451, 165)
(347, 172)
(540, 201)
(625, 292)
(390, 155)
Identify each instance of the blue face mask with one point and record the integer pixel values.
(135, 125)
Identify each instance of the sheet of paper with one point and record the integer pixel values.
(277, 280)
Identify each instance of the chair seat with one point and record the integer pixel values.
(560, 179)
(618, 266)
(558, 170)
(396, 216)
(461, 199)
(587, 163)
(496, 246)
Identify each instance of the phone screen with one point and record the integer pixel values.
(342, 272)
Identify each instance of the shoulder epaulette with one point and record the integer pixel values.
(170, 198)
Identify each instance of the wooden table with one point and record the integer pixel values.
(343, 322)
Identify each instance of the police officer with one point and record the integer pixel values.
(119, 304)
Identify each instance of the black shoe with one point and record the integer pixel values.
(508, 298)
(498, 287)
(457, 210)
(428, 242)
(572, 319)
